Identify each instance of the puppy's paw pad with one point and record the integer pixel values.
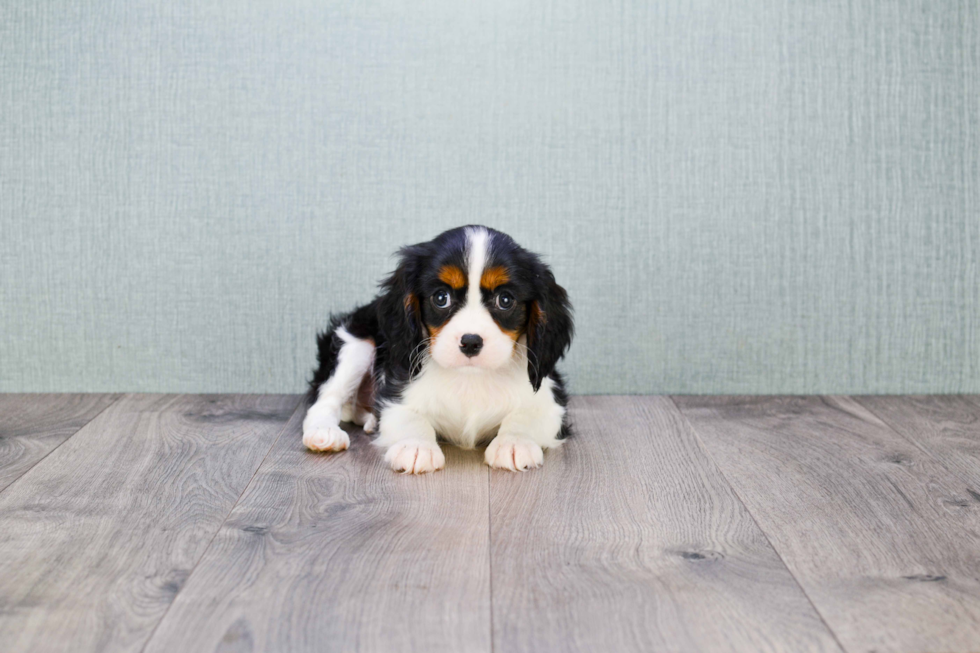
(415, 457)
(326, 438)
(515, 454)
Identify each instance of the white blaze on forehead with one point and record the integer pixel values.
(478, 248)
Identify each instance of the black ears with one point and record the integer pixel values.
(549, 327)
(399, 312)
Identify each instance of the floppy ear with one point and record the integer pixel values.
(549, 327)
(399, 312)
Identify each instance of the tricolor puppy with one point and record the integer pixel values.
(461, 344)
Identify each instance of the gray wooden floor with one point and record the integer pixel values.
(200, 523)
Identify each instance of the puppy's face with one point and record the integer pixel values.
(474, 300)
(469, 296)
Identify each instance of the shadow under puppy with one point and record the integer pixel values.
(461, 344)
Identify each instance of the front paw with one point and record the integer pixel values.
(515, 454)
(326, 438)
(415, 457)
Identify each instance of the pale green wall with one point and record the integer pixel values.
(759, 196)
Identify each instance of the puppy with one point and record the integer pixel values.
(461, 344)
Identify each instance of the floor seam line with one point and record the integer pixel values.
(490, 549)
(76, 432)
(221, 525)
(755, 521)
(914, 442)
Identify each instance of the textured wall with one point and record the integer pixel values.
(759, 196)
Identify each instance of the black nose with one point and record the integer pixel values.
(470, 344)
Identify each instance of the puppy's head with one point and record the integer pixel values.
(473, 299)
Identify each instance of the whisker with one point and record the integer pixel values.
(418, 358)
(528, 354)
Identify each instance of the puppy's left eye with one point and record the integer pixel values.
(505, 301)
(441, 299)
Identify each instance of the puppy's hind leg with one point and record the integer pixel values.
(351, 359)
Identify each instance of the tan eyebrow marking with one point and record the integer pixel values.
(493, 277)
(452, 276)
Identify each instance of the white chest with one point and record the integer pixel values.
(467, 406)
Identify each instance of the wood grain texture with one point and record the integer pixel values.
(946, 427)
(99, 537)
(629, 539)
(334, 552)
(33, 425)
(877, 532)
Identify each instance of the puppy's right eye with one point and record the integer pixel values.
(441, 299)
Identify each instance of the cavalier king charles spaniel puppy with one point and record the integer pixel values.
(461, 344)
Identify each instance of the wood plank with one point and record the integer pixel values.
(33, 425)
(946, 427)
(99, 536)
(337, 552)
(629, 539)
(866, 522)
